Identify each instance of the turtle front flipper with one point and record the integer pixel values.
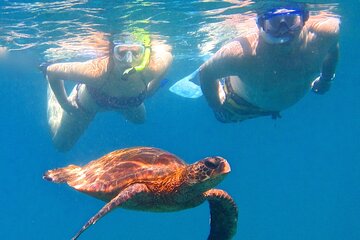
(224, 215)
(121, 198)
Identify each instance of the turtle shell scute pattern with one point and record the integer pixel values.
(105, 177)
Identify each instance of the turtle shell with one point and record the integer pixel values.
(105, 177)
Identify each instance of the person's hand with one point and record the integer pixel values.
(43, 67)
(320, 85)
(71, 108)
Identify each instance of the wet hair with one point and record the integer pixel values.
(111, 54)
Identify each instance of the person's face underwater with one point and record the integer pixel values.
(129, 55)
(281, 26)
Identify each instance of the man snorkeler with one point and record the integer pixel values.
(265, 72)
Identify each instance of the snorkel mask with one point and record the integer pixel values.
(279, 25)
(133, 51)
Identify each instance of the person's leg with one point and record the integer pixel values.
(66, 129)
(135, 115)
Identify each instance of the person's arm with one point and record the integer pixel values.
(329, 64)
(57, 86)
(160, 62)
(83, 72)
(328, 28)
(224, 63)
(322, 84)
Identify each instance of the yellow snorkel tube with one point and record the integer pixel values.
(145, 61)
(144, 37)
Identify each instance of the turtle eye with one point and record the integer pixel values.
(212, 163)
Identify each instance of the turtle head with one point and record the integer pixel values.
(207, 173)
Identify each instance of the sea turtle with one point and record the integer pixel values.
(150, 179)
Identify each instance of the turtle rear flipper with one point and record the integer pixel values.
(224, 215)
(61, 175)
(121, 198)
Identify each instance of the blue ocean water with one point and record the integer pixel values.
(295, 178)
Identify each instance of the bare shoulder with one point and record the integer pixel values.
(161, 56)
(324, 24)
(239, 47)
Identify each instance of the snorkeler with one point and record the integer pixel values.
(119, 82)
(271, 69)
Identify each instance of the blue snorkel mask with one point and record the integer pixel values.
(279, 25)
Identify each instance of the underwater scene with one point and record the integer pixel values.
(179, 119)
